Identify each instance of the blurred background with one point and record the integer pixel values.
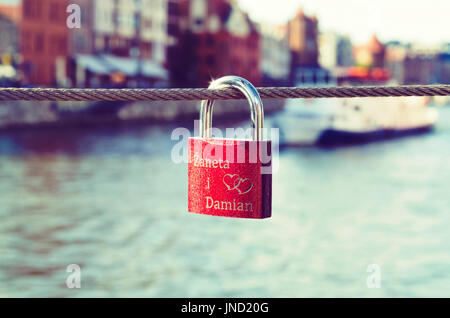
(361, 181)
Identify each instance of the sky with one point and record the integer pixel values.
(419, 21)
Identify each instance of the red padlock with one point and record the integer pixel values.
(231, 177)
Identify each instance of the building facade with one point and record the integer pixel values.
(275, 55)
(81, 40)
(44, 41)
(154, 28)
(174, 56)
(335, 50)
(420, 67)
(303, 33)
(9, 33)
(216, 38)
(412, 64)
(125, 38)
(395, 57)
(371, 54)
(303, 40)
(10, 16)
(130, 28)
(443, 73)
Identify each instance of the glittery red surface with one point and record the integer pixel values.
(225, 179)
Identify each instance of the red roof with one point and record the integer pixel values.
(12, 12)
(374, 45)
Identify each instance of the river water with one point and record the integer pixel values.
(112, 201)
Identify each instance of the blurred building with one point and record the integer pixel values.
(127, 41)
(275, 55)
(9, 44)
(119, 43)
(123, 27)
(443, 73)
(174, 55)
(371, 54)
(303, 37)
(369, 65)
(12, 11)
(44, 40)
(9, 29)
(8, 36)
(216, 38)
(335, 50)
(303, 42)
(432, 63)
(412, 64)
(81, 40)
(420, 67)
(395, 60)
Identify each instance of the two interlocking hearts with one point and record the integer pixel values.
(235, 182)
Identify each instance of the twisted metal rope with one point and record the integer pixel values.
(62, 94)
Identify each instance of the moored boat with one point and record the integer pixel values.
(366, 120)
(353, 120)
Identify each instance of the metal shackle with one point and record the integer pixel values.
(252, 95)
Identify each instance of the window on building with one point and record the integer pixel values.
(173, 29)
(99, 44)
(173, 8)
(136, 22)
(84, 16)
(147, 24)
(57, 45)
(210, 60)
(80, 43)
(209, 40)
(39, 72)
(62, 45)
(26, 43)
(53, 12)
(28, 9)
(39, 43)
(53, 45)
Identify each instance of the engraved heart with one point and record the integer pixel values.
(231, 181)
(244, 186)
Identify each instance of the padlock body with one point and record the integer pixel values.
(230, 178)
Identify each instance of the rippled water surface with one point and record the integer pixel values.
(112, 201)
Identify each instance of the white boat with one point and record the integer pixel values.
(441, 100)
(369, 119)
(303, 120)
(353, 120)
